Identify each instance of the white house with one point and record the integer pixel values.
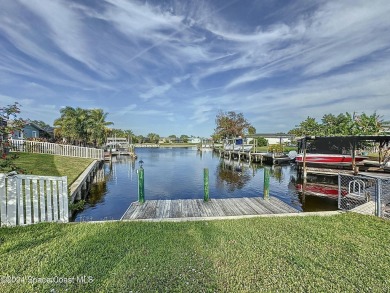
(276, 138)
(194, 140)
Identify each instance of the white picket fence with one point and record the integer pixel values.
(55, 149)
(28, 199)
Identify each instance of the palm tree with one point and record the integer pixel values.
(153, 137)
(82, 126)
(97, 126)
(66, 124)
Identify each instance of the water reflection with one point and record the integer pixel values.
(98, 190)
(276, 172)
(317, 192)
(177, 173)
(232, 175)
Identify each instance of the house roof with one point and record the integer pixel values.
(273, 135)
(48, 131)
(351, 138)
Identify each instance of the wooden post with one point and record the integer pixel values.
(206, 184)
(304, 182)
(304, 162)
(354, 169)
(141, 189)
(266, 183)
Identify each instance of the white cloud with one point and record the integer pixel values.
(182, 61)
(126, 110)
(159, 90)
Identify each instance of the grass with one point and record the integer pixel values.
(344, 253)
(50, 165)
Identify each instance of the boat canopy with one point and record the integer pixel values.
(339, 144)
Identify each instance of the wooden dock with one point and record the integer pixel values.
(254, 157)
(198, 209)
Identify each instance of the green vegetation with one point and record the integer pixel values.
(344, 253)
(343, 124)
(122, 133)
(82, 126)
(77, 206)
(184, 138)
(50, 165)
(262, 141)
(7, 161)
(231, 125)
(153, 137)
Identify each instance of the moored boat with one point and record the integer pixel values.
(237, 144)
(329, 158)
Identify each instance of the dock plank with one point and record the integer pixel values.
(226, 209)
(282, 205)
(191, 208)
(242, 207)
(216, 209)
(256, 204)
(150, 210)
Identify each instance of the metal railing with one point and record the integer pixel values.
(370, 192)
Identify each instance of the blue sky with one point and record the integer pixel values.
(169, 66)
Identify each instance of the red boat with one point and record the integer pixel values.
(318, 189)
(328, 158)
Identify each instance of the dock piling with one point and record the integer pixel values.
(266, 183)
(206, 184)
(141, 189)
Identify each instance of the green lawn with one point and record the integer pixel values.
(344, 253)
(50, 165)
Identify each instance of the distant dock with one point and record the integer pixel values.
(254, 157)
(186, 209)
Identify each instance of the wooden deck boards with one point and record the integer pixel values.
(197, 208)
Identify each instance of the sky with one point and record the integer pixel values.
(169, 67)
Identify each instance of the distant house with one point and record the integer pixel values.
(170, 140)
(276, 138)
(31, 130)
(194, 140)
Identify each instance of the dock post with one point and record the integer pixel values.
(206, 184)
(304, 162)
(266, 183)
(141, 189)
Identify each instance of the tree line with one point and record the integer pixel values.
(89, 127)
(342, 124)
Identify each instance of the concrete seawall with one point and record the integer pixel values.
(80, 187)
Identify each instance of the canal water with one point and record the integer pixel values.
(177, 173)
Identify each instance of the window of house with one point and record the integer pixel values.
(34, 134)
